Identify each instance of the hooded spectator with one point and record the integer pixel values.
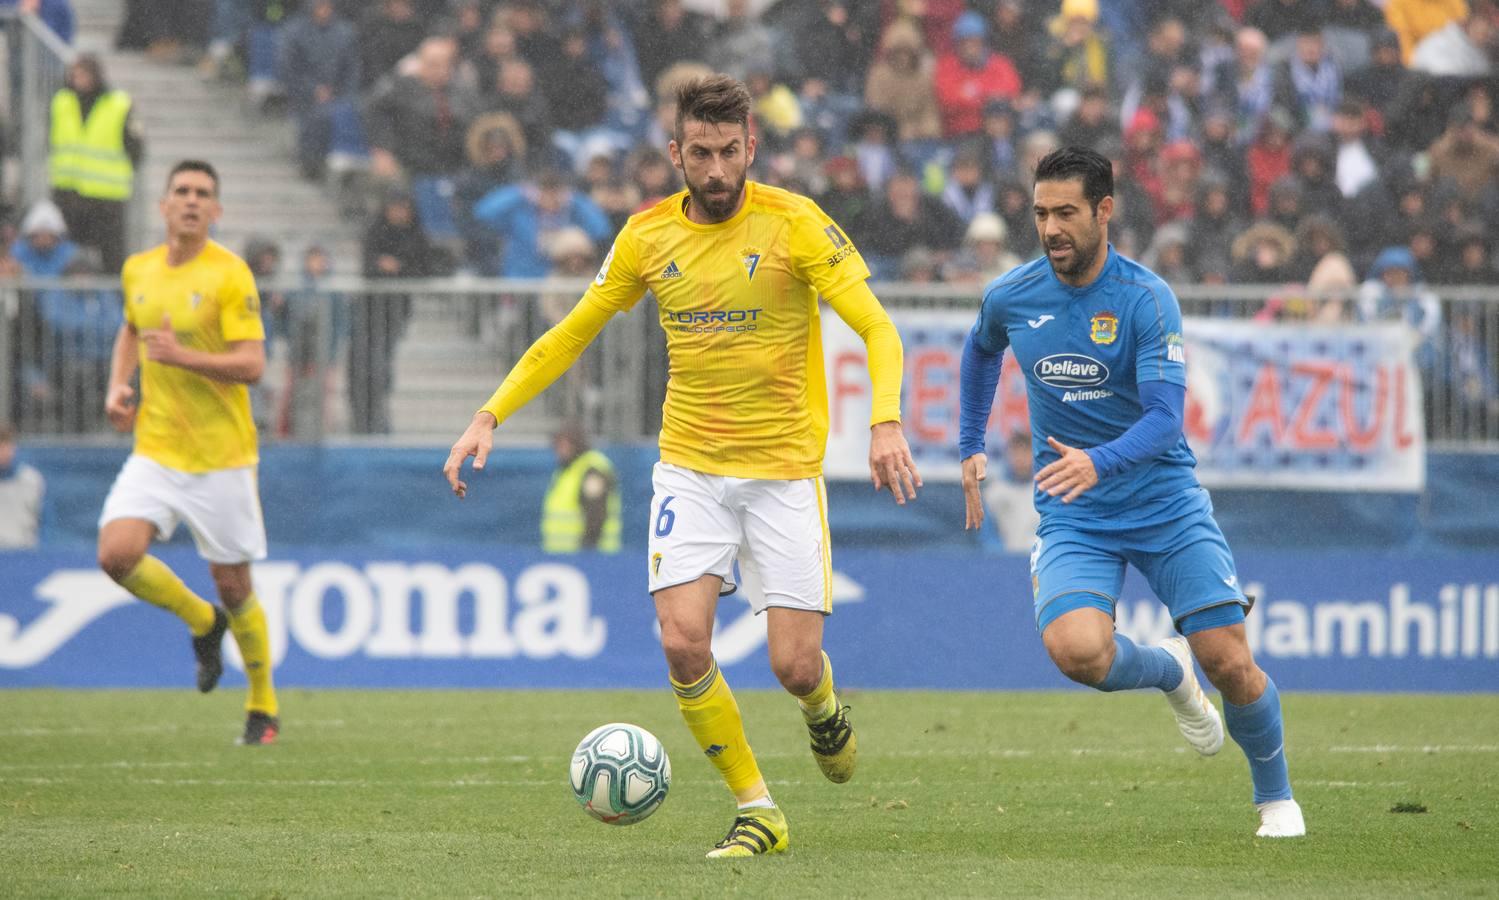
(971, 75)
(1262, 255)
(900, 84)
(43, 248)
(983, 256)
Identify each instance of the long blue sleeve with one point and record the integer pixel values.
(978, 380)
(1153, 434)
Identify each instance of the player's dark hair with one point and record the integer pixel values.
(1092, 168)
(714, 100)
(195, 165)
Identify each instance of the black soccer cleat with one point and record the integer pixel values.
(834, 745)
(209, 649)
(260, 729)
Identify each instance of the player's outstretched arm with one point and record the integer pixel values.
(119, 396)
(476, 441)
(975, 470)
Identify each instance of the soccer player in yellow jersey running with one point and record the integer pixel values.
(736, 268)
(192, 326)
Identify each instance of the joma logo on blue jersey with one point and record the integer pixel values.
(1070, 370)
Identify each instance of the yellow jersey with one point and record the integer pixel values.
(187, 421)
(746, 394)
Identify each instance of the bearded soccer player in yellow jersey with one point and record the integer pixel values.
(192, 326)
(736, 268)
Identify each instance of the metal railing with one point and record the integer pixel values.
(411, 360)
(36, 62)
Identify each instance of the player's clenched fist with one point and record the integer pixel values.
(476, 441)
(975, 468)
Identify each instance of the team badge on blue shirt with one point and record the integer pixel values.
(1104, 327)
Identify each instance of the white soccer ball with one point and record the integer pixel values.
(620, 773)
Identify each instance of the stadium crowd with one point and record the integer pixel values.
(1347, 147)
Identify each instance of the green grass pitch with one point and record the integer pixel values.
(464, 794)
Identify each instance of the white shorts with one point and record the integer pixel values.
(777, 531)
(221, 508)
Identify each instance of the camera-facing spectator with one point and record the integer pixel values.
(970, 75)
(94, 149)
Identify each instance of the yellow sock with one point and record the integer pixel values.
(713, 718)
(822, 702)
(248, 625)
(154, 582)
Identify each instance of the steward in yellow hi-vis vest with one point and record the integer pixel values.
(581, 510)
(93, 152)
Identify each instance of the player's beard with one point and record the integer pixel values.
(1085, 249)
(720, 207)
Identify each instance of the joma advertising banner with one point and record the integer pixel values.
(504, 618)
(1268, 405)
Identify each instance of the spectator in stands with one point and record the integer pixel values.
(1093, 121)
(1355, 164)
(997, 143)
(391, 31)
(1076, 55)
(23, 493)
(1394, 291)
(743, 43)
(968, 192)
(1285, 204)
(899, 84)
(320, 72)
(1215, 224)
(1413, 20)
(317, 329)
(777, 111)
(846, 197)
(79, 330)
(496, 149)
(1248, 87)
(1181, 168)
(573, 255)
(1268, 158)
(1382, 81)
(970, 76)
(833, 43)
(417, 127)
(522, 100)
(1013, 205)
(1010, 495)
(497, 49)
(1262, 255)
(652, 174)
(1169, 254)
(1312, 162)
(1310, 82)
(43, 249)
(1474, 265)
(581, 508)
(1468, 376)
(1466, 154)
(906, 218)
(1350, 27)
(394, 247)
(530, 23)
(618, 197)
(983, 256)
(666, 34)
(577, 94)
(526, 215)
(1278, 19)
(873, 134)
(94, 149)
(57, 15)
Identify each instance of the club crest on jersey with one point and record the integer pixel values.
(750, 256)
(1104, 327)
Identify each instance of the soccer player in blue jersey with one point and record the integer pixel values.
(1098, 337)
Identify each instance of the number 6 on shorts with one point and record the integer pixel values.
(665, 518)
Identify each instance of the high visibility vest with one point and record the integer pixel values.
(88, 157)
(562, 522)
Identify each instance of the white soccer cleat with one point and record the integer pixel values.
(1196, 716)
(1280, 819)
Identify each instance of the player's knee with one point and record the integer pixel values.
(688, 655)
(118, 562)
(799, 674)
(1086, 662)
(1231, 672)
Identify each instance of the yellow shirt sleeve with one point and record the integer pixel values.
(239, 306)
(616, 288)
(861, 310)
(822, 255)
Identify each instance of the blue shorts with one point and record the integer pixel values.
(1186, 562)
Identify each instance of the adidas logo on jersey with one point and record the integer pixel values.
(671, 270)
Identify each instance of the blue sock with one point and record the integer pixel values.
(1140, 667)
(1256, 728)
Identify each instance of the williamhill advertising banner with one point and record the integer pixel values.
(514, 619)
(1268, 405)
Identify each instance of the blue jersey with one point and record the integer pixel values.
(1084, 352)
